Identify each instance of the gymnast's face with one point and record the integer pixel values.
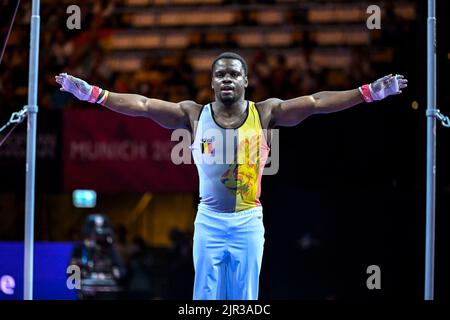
(229, 81)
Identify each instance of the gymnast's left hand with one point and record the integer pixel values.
(387, 86)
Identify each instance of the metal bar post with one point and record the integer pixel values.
(431, 150)
(32, 110)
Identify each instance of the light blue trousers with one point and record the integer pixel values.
(228, 250)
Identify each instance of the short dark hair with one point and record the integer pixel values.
(230, 55)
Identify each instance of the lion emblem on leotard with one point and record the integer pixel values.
(242, 178)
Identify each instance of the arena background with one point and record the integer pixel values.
(350, 190)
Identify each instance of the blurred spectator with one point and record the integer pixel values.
(181, 266)
(140, 281)
(102, 269)
(364, 71)
(60, 50)
(280, 77)
(305, 77)
(259, 82)
(125, 249)
(182, 76)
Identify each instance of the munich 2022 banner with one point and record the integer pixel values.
(110, 152)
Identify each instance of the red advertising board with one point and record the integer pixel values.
(110, 152)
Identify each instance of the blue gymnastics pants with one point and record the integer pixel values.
(228, 250)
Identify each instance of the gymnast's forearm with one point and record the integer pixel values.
(333, 101)
(126, 103)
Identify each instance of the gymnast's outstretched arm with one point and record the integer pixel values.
(293, 111)
(170, 115)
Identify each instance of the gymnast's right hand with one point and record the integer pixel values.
(78, 87)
